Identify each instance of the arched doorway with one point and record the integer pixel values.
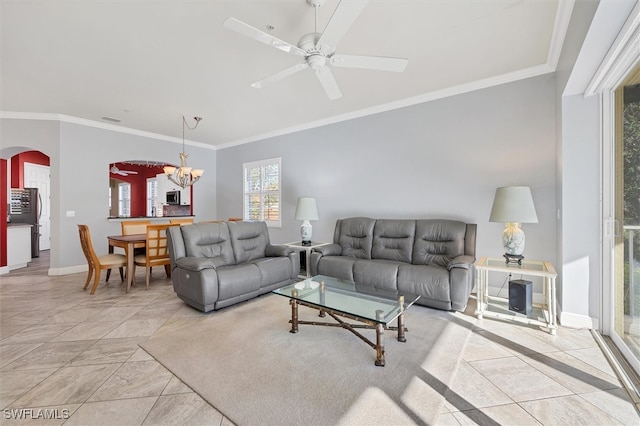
(25, 168)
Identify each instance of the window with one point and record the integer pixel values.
(262, 191)
(124, 199)
(152, 196)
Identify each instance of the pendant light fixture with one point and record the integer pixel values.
(184, 176)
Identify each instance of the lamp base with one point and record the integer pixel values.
(513, 258)
(305, 233)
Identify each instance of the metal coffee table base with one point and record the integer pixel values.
(378, 346)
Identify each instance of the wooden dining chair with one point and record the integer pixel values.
(181, 221)
(130, 227)
(157, 253)
(98, 263)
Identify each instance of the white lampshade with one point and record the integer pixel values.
(513, 204)
(306, 209)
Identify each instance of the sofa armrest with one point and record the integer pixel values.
(195, 264)
(329, 250)
(277, 250)
(462, 262)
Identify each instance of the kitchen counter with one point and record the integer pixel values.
(151, 218)
(17, 225)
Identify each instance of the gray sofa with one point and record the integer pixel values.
(433, 258)
(214, 265)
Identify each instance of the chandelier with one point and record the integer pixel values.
(184, 176)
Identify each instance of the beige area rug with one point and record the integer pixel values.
(245, 363)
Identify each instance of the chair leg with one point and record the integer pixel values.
(108, 275)
(89, 275)
(121, 274)
(148, 276)
(96, 281)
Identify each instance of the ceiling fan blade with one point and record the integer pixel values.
(280, 75)
(254, 33)
(369, 62)
(329, 83)
(341, 20)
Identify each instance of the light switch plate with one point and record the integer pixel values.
(71, 213)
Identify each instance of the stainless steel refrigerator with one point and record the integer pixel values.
(26, 207)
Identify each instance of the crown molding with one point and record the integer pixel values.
(621, 58)
(45, 116)
(560, 28)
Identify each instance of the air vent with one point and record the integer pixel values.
(111, 119)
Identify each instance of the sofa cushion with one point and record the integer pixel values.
(355, 236)
(209, 240)
(393, 240)
(236, 280)
(340, 267)
(429, 281)
(438, 241)
(250, 240)
(377, 273)
(273, 270)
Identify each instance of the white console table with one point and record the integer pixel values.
(544, 314)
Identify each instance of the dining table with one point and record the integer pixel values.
(129, 243)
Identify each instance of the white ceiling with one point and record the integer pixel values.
(148, 62)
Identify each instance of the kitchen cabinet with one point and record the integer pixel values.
(165, 185)
(18, 245)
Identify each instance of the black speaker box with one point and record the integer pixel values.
(520, 296)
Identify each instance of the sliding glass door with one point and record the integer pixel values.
(626, 207)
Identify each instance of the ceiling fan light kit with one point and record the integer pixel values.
(317, 49)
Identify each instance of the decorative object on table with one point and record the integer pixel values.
(513, 205)
(306, 210)
(184, 176)
(520, 296)
(317, 49)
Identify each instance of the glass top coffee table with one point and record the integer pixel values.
(376, 308)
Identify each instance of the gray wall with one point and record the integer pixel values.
(438, 159)
(80, 157)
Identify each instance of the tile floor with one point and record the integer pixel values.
(75, 357)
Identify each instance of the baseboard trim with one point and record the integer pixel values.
(68, 270)
(576, 321)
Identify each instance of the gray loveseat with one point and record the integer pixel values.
(433, 258)
(214, 265)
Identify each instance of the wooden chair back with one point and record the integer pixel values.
(234, 219)
(98, 263)
(87, 246)
(157, 250)
(130, 227)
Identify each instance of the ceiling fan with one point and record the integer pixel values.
(117, 171)
(317, 49)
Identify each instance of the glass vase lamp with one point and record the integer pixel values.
(306, 210)
(513, 205)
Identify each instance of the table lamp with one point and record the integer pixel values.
(513, 205)
(306, 210)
